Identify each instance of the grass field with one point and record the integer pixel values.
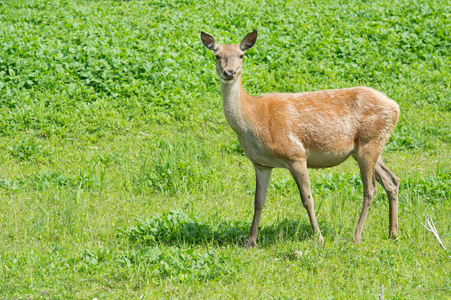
(122, 180)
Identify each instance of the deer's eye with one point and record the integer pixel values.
(217, 56)
(241, 56)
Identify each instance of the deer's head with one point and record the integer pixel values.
(229, 57)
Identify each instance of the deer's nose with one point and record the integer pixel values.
(229, 74)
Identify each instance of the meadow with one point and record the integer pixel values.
(121, 179)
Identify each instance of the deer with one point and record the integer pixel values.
(297, 131)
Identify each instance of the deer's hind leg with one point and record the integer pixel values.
(390, 183)
(366, 157)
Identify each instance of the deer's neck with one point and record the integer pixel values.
(234, 101)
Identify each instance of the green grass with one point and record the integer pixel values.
(121, 178)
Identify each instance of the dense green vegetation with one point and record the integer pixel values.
(121, 178)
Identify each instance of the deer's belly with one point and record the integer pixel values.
(279, 157)
(326, 159)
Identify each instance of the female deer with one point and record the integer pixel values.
(308, 130)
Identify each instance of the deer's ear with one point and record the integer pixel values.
(208, 41)
(249, 41)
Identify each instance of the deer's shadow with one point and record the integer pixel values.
(226, 233)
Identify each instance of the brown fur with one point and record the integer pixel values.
(314, 129)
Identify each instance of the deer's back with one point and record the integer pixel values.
(324, 126)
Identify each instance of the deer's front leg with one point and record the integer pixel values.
(299, 172)
(262, 175)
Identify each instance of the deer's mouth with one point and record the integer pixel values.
(227, 81)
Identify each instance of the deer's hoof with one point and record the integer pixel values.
(393, 235)
(356, 239)
(320, 240)
(249, 244)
